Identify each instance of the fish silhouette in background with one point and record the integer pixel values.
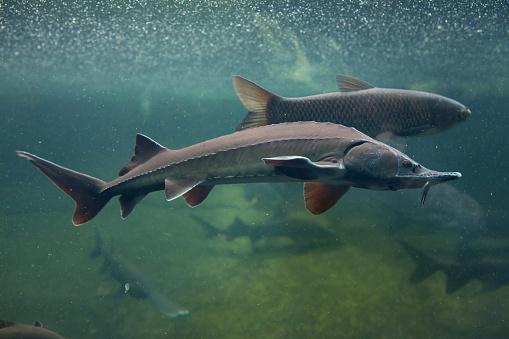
(491, 270)
(377, 112)
(134, 282)
(14, 330)
(448, 209)
(328, 158)
(304, 235)
(451, 209)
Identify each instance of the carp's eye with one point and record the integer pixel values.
(407, 163)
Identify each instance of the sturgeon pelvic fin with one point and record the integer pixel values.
(320, 197)
(197, 195)
(174, 188)
(255, 99)
(83, 189)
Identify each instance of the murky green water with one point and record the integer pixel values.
(80, 79)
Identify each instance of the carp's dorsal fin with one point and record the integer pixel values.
(196, 195)
(349, 84)
(174, 188)
(144, 149)
(255, 99)
(319, 197)
(304, 169)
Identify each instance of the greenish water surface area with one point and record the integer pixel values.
(79, 79)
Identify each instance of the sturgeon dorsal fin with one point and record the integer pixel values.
(319, 197)
(144, 149)
(349, 84)
(255, 99)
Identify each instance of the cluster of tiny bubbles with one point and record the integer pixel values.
(193, 46)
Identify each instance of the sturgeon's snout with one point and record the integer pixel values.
(439, 177)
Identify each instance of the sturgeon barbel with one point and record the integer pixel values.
(328, 158)
(377, 112)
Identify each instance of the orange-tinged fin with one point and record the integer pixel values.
(195, 196)
(83, 189)
(128, 202)
(319, 197)
(144, 149)
(349, 84)
(174, 188)
(255, 99)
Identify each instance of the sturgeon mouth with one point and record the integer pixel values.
(437, 178)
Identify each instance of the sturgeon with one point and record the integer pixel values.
(133, 281)
(378, 112)
(11, 329)
(328, 158)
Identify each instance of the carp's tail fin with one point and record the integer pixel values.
(83, 189)
(255, 99)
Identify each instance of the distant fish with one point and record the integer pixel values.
(328, 158)
(303, 234)
(451, 209)
(377, 112)
(492, 272)
(14, 330)
(134, 282)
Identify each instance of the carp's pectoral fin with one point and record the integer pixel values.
(304, 169)
(413, 131)
(320, 197)
(195, 196)
(349, 84)
(174, 188)
(128, 202)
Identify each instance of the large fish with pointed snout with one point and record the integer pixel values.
(328, 158)
(14, 330)
(133, 281)
(377, 112)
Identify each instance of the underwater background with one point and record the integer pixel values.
(78, 80)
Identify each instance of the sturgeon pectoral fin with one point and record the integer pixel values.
(349, 84)
(320, 197)
(304, 169)
(195, 196)
(174, 188)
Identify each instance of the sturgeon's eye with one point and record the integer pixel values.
(407, 163)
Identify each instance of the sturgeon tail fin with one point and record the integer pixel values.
(255, 99)
(83, 189)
